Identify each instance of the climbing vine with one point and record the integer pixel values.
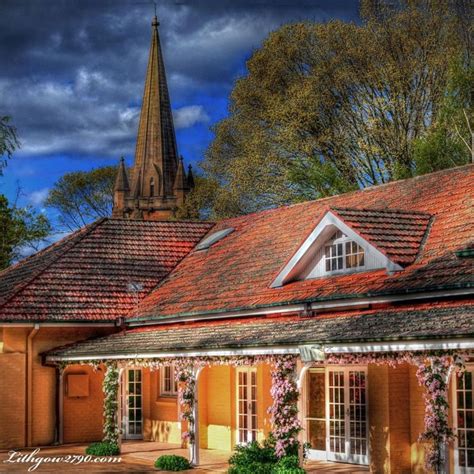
(111, 388)
(185, 376)
(433, 371)
(284, 409)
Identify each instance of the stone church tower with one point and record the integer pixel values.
(158, 182)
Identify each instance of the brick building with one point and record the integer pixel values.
(356, 292)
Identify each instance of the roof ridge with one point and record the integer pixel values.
(158, 221)
(380, 209)
(68, 239)
(348, 193)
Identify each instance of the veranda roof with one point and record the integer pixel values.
(398, 324)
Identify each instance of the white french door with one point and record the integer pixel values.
(346, 415)
(246, 404)
(464, 422)
(132, 398)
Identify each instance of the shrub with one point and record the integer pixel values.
(171, 462)
(253, 458)
(288, 465)
(103, 449)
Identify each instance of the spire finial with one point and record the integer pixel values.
(155, 23)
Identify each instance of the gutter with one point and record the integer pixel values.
(29, 386)
(338, 302)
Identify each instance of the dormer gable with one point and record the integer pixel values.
(351, 240)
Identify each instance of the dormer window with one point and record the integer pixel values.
(341, 253)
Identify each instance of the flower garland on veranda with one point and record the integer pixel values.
(433, 370)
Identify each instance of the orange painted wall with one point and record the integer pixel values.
(43, 382)
(161, 422)
(83, 416)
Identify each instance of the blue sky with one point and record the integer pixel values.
(71, 75)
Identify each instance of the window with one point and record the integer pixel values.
(152, 186)
(342, 254)
(464, 421)
(168, 384)
(213, 238)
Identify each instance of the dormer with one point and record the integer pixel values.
(354, 240)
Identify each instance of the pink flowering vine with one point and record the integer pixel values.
(284, 409)
(433, 370)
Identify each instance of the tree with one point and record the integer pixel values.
(21, 229)
(327, 108)
(450, 140)
(8, 141)
(83, 196)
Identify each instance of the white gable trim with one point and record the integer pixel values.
(318, 237)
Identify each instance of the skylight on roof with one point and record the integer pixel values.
(213, 238)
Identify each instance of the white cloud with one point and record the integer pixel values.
(37, 198)
(190, 115)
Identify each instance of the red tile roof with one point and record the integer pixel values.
(398, 234)
(236, 272)
(85, 275)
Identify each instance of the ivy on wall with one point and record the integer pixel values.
(111, 390)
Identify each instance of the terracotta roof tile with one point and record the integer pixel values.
(398, 234)
(85, 275)
(236, 273)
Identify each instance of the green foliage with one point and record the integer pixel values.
(171, 462)
(288, 465)
(449, 141)
(8, 141)
(198, 203)
(110, 387)
(103, 449)
(253, 458)
(256, 458)
(81, 197)
(20, 229)
(328, 108)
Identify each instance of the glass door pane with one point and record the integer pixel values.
(336, 408)
(357, 413)
(465, 422)
(347, 415)
(133, 404)
(316, 409)
(247, 405)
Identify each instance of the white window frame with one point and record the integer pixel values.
(249, 371)
(174, 385)
(457, 468)
(328, 455)
(343, 241)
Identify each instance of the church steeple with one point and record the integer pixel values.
(153, 191)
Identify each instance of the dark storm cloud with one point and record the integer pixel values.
(71, 72)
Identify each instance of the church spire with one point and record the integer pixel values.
(152, 193)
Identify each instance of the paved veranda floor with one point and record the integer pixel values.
(140, 456)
